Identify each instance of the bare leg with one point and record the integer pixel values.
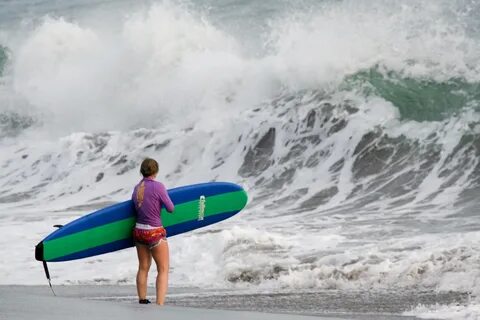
(161, 256)
(144, 262)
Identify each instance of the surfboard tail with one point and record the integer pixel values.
(39, 251)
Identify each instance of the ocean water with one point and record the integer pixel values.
(353, 125)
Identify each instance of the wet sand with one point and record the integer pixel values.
(120, 303)
(18, 303)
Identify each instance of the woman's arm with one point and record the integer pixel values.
(165, 198)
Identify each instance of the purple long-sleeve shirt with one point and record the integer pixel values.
(148, 197)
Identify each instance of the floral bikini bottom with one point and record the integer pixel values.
(150, 237)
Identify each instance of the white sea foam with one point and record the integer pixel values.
(469, 311)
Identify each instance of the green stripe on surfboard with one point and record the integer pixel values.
(188, 211)
(87, 239)
(118, 230)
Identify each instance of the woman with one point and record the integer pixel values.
(149, 235)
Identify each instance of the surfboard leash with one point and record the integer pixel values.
(39, 257)
(47, 273)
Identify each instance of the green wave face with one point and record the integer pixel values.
(122, 229)
(417, 99)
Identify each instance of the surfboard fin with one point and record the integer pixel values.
(58, 226)
(47, 273)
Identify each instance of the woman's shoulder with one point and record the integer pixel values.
(158, 184)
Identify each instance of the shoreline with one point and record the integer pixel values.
(84, 302)
(21, 302)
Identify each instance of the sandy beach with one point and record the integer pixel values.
(101, 302)
(23, 302)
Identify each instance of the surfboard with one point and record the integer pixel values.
(110, 229)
